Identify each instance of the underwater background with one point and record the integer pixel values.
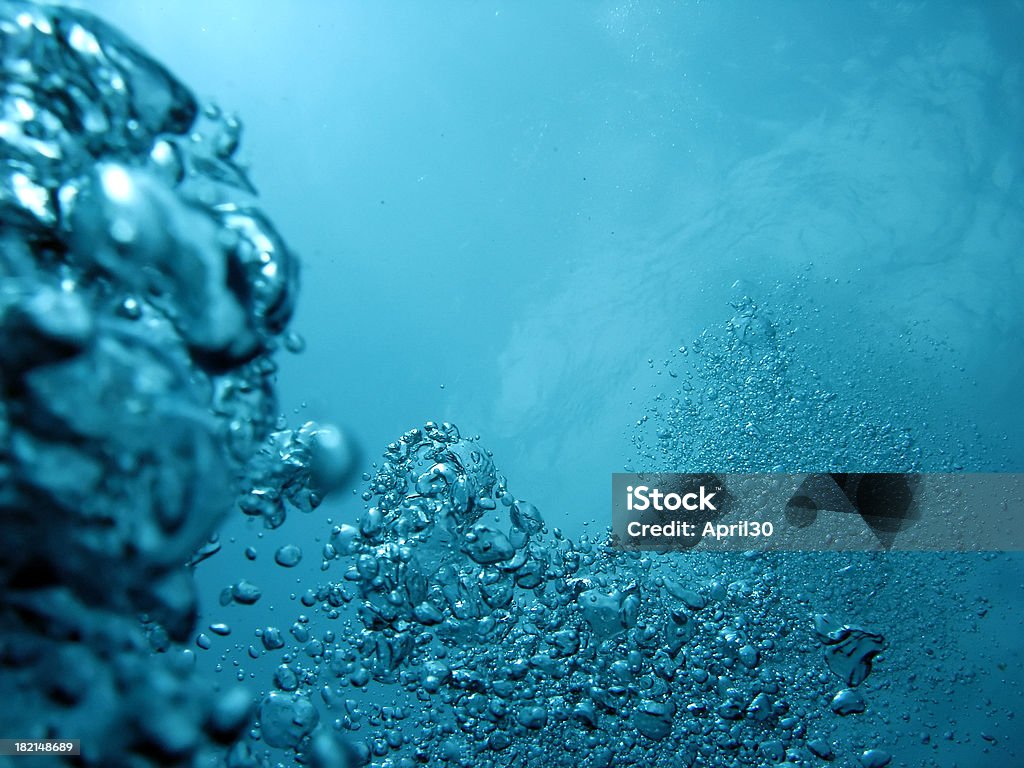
(625, 236)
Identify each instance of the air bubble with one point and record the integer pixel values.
(288, 556)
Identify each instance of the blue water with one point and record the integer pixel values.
(526, 204)
(544, 223)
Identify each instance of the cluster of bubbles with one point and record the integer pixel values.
(743, 400)
(142, 296)
(496, 640)
(465, 631)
